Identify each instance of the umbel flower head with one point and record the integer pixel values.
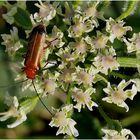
(64, 122)
(118, 95)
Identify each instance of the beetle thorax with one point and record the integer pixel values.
(30, 72)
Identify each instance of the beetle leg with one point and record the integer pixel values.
(49, 43)
(45, 65)
(53, 63)
(45, 47)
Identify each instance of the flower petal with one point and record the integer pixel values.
(107, 99)
(19, 120)
(131, 93)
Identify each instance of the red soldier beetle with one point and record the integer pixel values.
(35, 51)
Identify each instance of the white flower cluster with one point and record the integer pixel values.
(19, 111)
(64, 122)
(78, 62)
(113, 134)
(12, 42)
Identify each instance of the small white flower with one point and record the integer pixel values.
(117, 95)
(80, 46)
(83, 98)
(80, 26)
(55, 38)
(116, 29)
(50, 86)
(65, 54)
(133, 44)
(49, 82)
(46, 13)
(64, 122)
(100, 40)
(105, 63)
(85, 76)
(11, 41)
(13, 112)
(19, 111)
(113, 134)
(9, 16)
(68, 75)
(76, 30)
(89, 10)
(67, 57)
(137, 83)
(12, 10)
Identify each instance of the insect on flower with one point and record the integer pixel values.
(36, 47)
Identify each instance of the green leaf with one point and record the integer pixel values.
(22, 18)
(28, 104)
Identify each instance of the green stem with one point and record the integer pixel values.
(131, 7)
(122, 76)
(135, 118)
(100, 77)
(101, 111)
(68, 101)
(104, 115)
(128, 62)
(112, 124)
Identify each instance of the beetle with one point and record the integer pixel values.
(35, 51)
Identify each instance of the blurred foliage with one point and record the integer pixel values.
(89, 123)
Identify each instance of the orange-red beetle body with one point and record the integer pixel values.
(35, 51)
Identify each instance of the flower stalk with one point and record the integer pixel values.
(132, 6)
(128, 62)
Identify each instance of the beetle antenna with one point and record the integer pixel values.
(40, 98)
(7, 86)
